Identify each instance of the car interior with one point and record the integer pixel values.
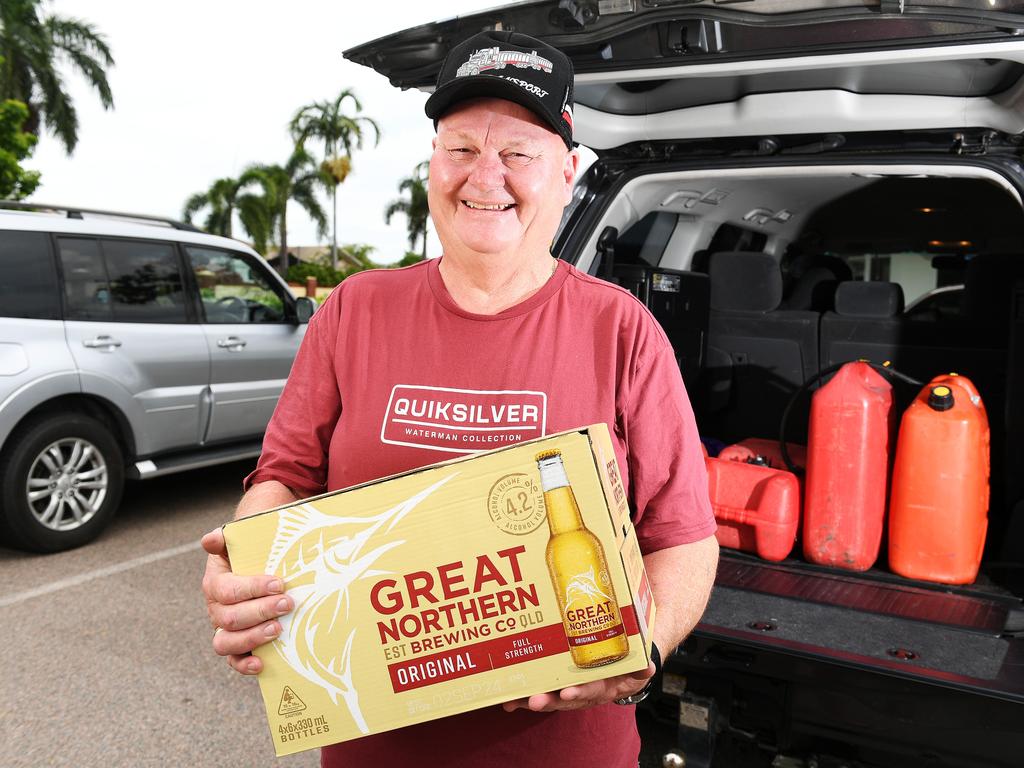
(763, 278)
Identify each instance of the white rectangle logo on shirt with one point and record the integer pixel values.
(462, 420)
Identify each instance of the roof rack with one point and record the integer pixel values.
(76, 213)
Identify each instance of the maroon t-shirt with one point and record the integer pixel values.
(393, 375)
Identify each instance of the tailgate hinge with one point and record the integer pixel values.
(965, 145)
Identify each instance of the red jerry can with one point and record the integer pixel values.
(755, 447)
(848, 445)
(938, 515)
(757, 507)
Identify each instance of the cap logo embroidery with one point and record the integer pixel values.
(486, 59)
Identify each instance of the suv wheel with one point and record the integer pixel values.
(61, 479)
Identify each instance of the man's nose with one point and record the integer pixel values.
(488, 171)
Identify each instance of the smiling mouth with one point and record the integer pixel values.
(488, 206)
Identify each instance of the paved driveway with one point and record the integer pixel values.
(106, 660)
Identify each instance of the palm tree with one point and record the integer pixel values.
(414, 206)
(326, 121)
(222, 201)
(296, 181)
(31, 46)
(219, 201)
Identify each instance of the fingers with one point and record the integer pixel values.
(213, 543)
(246, 665)
(249, 614)
(226, 588)
(243, 609)
(241, 642)
(539, 702)
(586, 695)
(643, 674)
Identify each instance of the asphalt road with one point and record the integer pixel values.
(107, 660)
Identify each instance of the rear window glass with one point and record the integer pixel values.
(122, 280)
(86, 288)
(28, 280)
(145, 282)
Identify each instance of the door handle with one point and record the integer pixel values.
(231, 344)
(103, 343)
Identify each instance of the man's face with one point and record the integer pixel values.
(499, 179)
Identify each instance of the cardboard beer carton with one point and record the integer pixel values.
(444, 589)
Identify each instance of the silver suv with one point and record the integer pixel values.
(130, 347)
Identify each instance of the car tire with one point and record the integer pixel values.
(61, 479)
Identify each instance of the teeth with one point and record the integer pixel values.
(483, 207)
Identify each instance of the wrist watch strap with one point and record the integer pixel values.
(644, 692)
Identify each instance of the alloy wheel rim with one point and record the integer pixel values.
(67, 484)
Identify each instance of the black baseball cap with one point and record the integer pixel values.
(508, 65)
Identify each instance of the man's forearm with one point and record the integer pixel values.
(264, 496)
(681, 580)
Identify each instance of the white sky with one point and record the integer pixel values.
(203, 88)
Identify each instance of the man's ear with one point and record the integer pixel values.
(572, 165)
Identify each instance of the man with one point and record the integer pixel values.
(495, 316)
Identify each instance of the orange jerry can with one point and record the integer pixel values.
(845, 485)
(753, 449)
(938, 514)
(757, 508)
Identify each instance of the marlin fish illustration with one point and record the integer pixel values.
(582, 586)
(318, 572)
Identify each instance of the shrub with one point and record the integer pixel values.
(324, 274)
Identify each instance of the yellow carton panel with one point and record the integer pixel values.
(453, 587)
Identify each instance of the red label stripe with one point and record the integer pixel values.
(505, 651)
(597, 637)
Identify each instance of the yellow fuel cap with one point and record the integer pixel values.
(940, 398)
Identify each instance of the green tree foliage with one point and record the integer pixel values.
(409, 259)
(357, 258)
(413, 205)
(340, 133)
(222, 201)
(32, 44)
(358, 254)
(295, 181)
(218, 202)
(16, 183)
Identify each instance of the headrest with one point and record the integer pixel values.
(744, 281)
(813, 291)
(815, 281)
(869, 299)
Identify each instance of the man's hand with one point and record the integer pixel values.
(586, 695)
(242, 609)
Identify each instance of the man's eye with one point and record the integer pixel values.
(517, 158)
(460, 152)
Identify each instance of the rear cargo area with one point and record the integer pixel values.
(760, 310)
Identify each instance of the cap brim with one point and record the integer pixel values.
(483, 86)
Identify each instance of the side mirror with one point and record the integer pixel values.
(304, 309)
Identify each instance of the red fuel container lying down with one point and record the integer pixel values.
(768, 450)
(757, 507)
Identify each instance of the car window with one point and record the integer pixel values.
(234, 289)
(28, 280)
(86, 287)
(145, 282)
(122, 280)
(915, 272)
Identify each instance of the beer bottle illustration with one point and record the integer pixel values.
(579, 573)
